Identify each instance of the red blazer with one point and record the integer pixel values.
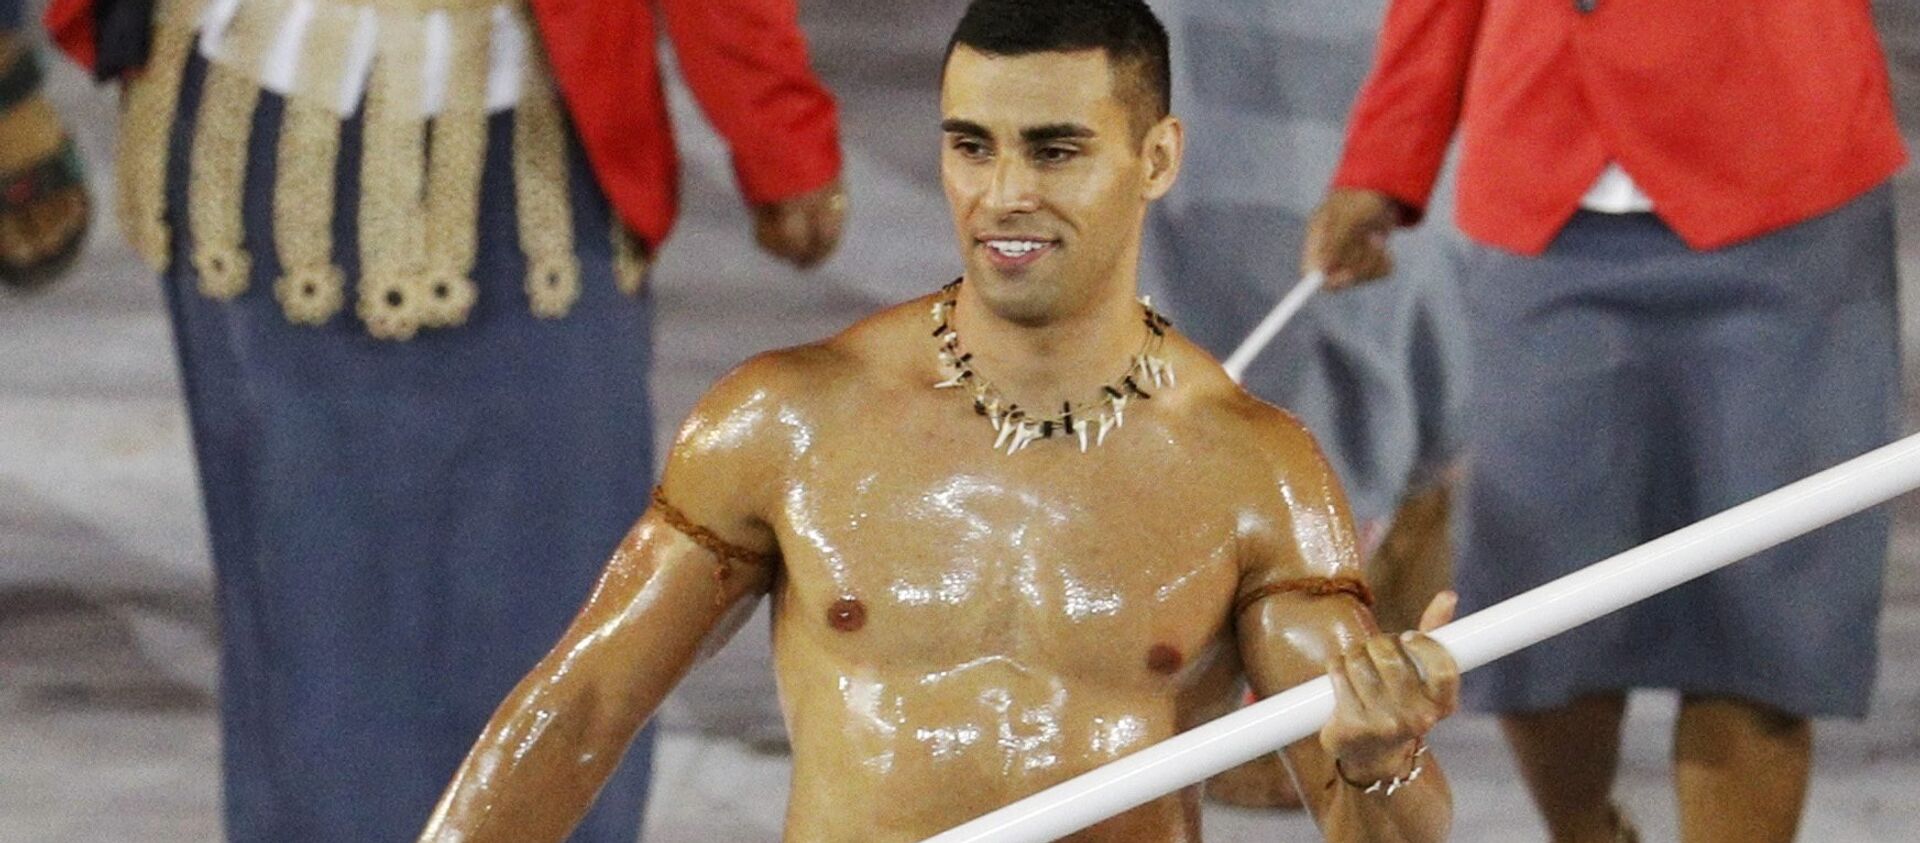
(1736, 118)
(745, 60)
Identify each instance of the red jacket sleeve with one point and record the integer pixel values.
(746, 62)
(1406, 113)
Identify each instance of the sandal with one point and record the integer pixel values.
(24, 189)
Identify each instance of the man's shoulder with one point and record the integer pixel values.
(791, 382)
(805, 372)
(1251, 425)
(1271, 429)
(1275, 456)
(1290, 488)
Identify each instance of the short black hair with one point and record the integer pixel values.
(1126, 30)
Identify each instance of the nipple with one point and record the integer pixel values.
(847, 615)
(1164, 659)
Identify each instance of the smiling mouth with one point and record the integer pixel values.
(1016, 252)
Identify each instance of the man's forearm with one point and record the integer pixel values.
(538, 765)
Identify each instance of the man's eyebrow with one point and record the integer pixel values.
(1032, 135)
(1056, 131)
(964, 127)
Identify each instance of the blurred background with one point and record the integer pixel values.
(107, 641)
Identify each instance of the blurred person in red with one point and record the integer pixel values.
(403, 245)
(1680, 294)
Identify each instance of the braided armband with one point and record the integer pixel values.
(1310, 586)
(726, 553)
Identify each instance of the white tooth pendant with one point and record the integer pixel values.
(1007, 427)
(1023, 433)
(958, 379)
(1107, 423)
(1167, 366)
(1080, 430)
(1152, 365)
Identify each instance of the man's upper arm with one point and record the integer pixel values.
(725, 472)
(1302, 594)
(704, 548)
(1302, 598)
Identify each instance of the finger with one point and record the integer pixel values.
(1379, 260)
(806, 243)
(1373, 266)
(1319, 252)
(765, 231)
(1357, 256)
(770, 229)
(781, 244)
(1439, 611)
(1398, 675)
(833, 222)
(1370, 256)
(1439, 673)
(796, 234)
(1337, 281)
(820, 231)
(1344, 694)
(1310, 253)
(1369, 689)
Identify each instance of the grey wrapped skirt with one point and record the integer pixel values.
(1624, 386)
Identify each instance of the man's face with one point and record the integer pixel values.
(1047, 178)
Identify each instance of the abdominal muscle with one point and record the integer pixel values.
(883, 757)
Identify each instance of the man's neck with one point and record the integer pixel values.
(1066, 359)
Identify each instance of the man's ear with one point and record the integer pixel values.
(1162, 149)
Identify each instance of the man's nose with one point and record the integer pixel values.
(1014, 188)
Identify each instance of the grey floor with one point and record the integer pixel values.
(106, 640)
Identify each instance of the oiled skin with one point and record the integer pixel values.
(955, 628)
(1020, 619)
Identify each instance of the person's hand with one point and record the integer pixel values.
(1388, 692)
(1347, 237)
(802, 230)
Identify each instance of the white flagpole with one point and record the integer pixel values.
(1479, 638)
(1256, 342)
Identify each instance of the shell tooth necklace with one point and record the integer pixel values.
(1014, 427)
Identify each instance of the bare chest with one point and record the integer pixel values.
(1109, 569)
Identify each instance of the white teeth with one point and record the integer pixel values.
(1015, 248)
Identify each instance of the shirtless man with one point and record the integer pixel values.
(957, 626)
